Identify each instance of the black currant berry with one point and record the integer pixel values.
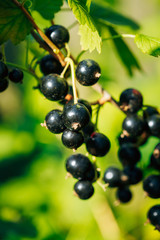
(154, 125)
(134, 174)
(112, 177)
(54, 121)
(72, 139)
(54, 87)
(129, 154)
(88, 72)
(49, 64)
(154, 163)
(83, 189)
(3, 84)
(98, 144)
(123, 139)
(154, 216)
(58, 34)
(134, 125)
(79, 166)
(124, 195)
(88, 130)
(16, 75)
(149, 111)
(76, 116)
(151, 186)
(3, 70)
(81, 101)
(131, 100)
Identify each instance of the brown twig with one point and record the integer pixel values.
(43, 36)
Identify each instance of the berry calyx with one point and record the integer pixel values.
(98, 144)
(49, 64)
(88, 72)
(76, 116)
(58, 34)
(16, 75)
(54, 87)
(72, 139)
(83, 189)
(54, 121)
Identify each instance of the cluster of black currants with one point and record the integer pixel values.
(15, 75)
(137, 127)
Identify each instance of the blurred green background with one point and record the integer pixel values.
(36, 201)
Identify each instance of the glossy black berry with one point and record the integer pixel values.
(72, 139)
(149, 111)
(154, 216)
(112, 177)
(131, 100)
(76, 116)
(84, 189)
(58, 34)
(16, 75)
(54, 121)
(98, 144)
(3, 84)
(3, 70)
(123, 139)
(151, 186)
(88, 130)
(124, 195)
(54, 87)
(154, 163)
(49, 64)
(134, 125)
(134, 174)
(129, 154)
(154, 125)
(81, 101)
(88, 72)
(80, 167)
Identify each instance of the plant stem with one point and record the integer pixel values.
(43, 36)
(119, 36)
(3, 52)
(73, 79)
(72, 25)
(29, 71)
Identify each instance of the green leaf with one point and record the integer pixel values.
(149, 45)
(48, 8)
(108, 15)
(90, 38)
(125, 54)
(14, 25)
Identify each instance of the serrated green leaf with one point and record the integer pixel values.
(125, 54)
(108, 15)
(88, 29)
(14, 25)
(47, 8)
(147, 44)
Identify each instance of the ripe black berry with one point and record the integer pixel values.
(72, 139)
(76, 116)
(149, 111)
(54, 121)
(98, 144)
(112, 176)
(16, 75)
(124, 195)
(88, 72)
(3, 70)
(58, 34)
(84, 189)
(129, 154)
(154, 125)
(80, 167)
(88, 130)
(54, 87)
(134, 125)
(122, 139)
(81, 101)
(151, 186)
(49, 64)
(154, 216)
(131, 100)
(134, 174)
(3, 84)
